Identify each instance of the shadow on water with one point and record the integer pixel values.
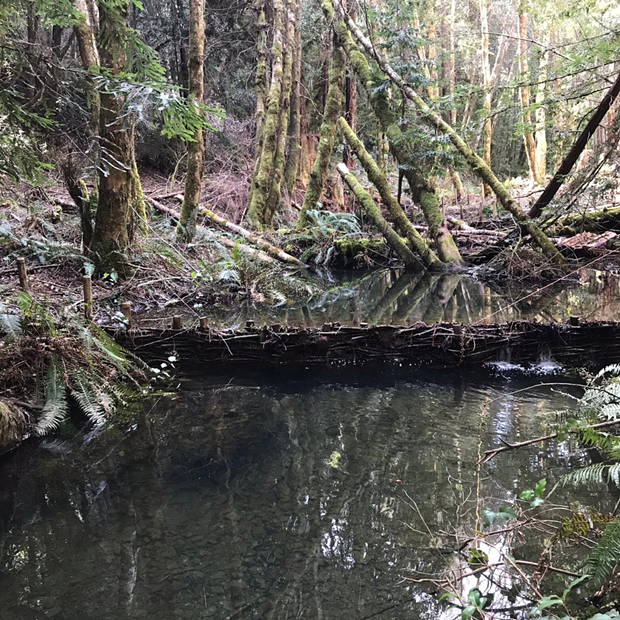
(402, 298)
(273, 496)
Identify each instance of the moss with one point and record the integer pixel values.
(378, 178)
(333, 105)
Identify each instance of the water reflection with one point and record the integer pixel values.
(258, 499)
(402, 298)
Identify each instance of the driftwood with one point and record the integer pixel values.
(438, 345)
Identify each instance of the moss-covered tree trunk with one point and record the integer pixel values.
(373, 213)
(333, 106)
(476, 163)
(524, 92)
(274, 197)
(487, 129)
(422, 190)
(261, 181)
(294, 129)
(186, 227)
(110, 242)
(261, 85)
(377, 177)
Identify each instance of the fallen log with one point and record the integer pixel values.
(267, 247)
(590, 221)
(438, 345)
(270, 249)
(374, 215)
(229, 243)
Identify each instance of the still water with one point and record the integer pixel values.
(292, 493)
(401, 298)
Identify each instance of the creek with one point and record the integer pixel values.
(282, 493)
(391, 297)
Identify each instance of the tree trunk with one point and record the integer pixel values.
(350, 96)
(110, 239)
(530, 145)
(454, 175)
(261, 181)
(374, 215)
(186, 227)
(541, 116)
(333, 105)
(379, 180)
(486, 74)
(423, 193)
(294, 137)
(477, 163)
(260, 86)
(573, 155)
(85, 34)
(279, 161)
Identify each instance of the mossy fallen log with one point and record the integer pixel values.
(591, 221)
(438, 345)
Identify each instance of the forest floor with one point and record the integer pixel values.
(42, 225)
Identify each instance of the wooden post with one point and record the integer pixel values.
(176, 322)
(23, 274)
(126, 310)
(204, 325)
(88, 297)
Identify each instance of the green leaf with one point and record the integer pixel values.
(539, 489)
(488, 517)
(537, 501)
(528, 495)
(468, 612)
(506, 512)
(573, 584)
(549, 601)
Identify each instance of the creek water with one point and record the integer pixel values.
(401, 298)
(283, 493)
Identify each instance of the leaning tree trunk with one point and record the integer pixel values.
(477, 163)
(110, 242)
(377, 177)
(333, 105)
(524, 91)
(261, 181)
(423, 193)
(373, 213)
(186, 228)
(573, 155)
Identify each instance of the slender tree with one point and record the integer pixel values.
(333, 107)
(186, 228)
(528, 137)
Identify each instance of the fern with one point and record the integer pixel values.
(597, 473)
(55, 408)
(605, 555)
(94, 402)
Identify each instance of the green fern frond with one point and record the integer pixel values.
(605, 555)
(94, 402)
(10, 325)
(612, 369)
(597, 473)
(112, 351)
(55, 408)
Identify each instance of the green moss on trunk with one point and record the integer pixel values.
(373, 213)
(333, 106)
(379, 180)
